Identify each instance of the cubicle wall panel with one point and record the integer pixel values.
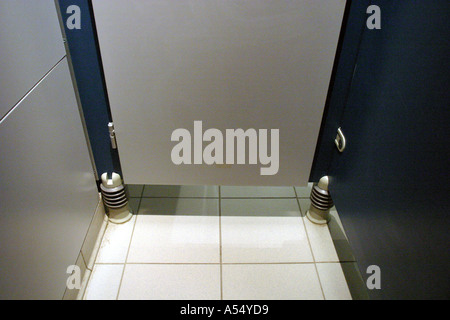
(48, 193)
(30, 45)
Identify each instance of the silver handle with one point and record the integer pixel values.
(112, 135)
(340, 141)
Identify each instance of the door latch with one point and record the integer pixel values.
(340, 141)
(112, 135)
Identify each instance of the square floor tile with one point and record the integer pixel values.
(179, 207)
(170, 282)
(115, 242)
(328, 242)
(256, 192)
(264, 240)
(104, 282)
(271, 282)
(321, 242)
(175, 239)
(160, 191)
(176, 231)
(260, 207)
(333, 281)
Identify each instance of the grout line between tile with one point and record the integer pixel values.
(343, 261)
(100, 202)
(220, 243)
(264, 263)
(97, 250)
(84, 261)
(169, 263)
(129, 244)
(210, 263)
(99, 240)
(309, 242)
(245, 198)
(162, 197)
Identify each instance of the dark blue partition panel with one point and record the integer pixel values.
(88, 71)
(390, 184)
(354, 24)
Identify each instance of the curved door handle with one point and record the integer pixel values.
(340, 141)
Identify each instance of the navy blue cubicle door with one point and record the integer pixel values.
(390, 184)
(86, 60)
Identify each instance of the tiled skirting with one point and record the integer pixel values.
(89, 250)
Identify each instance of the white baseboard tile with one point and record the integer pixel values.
(89, 250)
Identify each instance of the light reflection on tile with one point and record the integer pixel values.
(200, 243)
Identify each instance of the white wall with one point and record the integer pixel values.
(48, 193)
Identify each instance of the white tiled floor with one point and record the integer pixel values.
(212, 243)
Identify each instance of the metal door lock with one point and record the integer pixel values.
(112, 135)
